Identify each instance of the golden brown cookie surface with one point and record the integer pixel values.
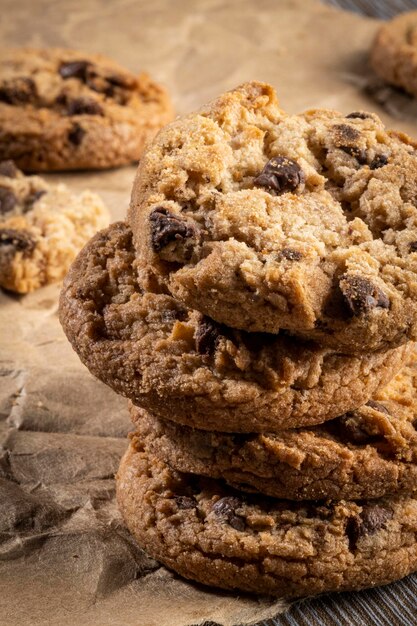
(217, 536)
(265, 221)
(367, 453)
(185, 367)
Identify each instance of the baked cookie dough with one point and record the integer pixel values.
(217, 536)
(367, 453)
(182, 366)
(63, 109)
(394, 52)
(265, 221)
(42, 228)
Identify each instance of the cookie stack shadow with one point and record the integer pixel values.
(263, 462)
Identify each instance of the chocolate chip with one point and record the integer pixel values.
(413, 246)
(8, 169)
(33, 197)
(280, 175)
(7, 200)
(378, 406)
(185, 502)
(19, 90)
(84, 106)
(360, 115)
(361, 295)
(357, 153)
(290, 254)
(378, 161)
(345, 134)
(76, 134)
(207, 335)
(372, 518)
(17, 240)
(167, 227)
(226, 508)
(351, 428)
(74, 69)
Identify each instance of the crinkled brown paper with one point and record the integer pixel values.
(65, 556)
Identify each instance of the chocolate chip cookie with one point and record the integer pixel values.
(63, 110)
(183, 366)
(394, 52)
(265, 221)
(42, 228)
(367, 453)
(217, 536)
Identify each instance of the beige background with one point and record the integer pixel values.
(65, 557)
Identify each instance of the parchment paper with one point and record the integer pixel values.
(65, 557)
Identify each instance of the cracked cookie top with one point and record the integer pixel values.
(184, 366)
(265, 221)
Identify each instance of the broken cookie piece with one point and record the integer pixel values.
(42, 227)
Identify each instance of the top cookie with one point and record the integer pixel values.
(265, 221)
(394, 52)
(62, 109)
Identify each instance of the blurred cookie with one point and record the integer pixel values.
(63, 110)
(367, 453)
(265, 221)
(183, 366)
(394, 51)
(42, 227)
(218, 536)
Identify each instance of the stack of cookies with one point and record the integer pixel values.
(258, 309)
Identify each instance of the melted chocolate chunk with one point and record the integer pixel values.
(361, 295)
(412, 246)
(19, 90)
(8, 200)
(372, 519)
(32, 198)
(76, 134)
(344, 133)
(74, 69)
(378, 161)
(360, 115)
(350, 428)
(378, 406)
(290, 254)
(16, 240)
(8, 169)
(84, 106)
(207, 335)
(226, 508)
(167, 227)
(280, 175)
(357, 153)
(185, 502)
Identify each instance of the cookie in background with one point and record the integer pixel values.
(67, 110)
(42, 228)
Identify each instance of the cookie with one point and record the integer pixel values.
(265, 221)
(218, 536)
(182, 366)
(367, 453)
(394, 52)
(63, 109)
(42, 228)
